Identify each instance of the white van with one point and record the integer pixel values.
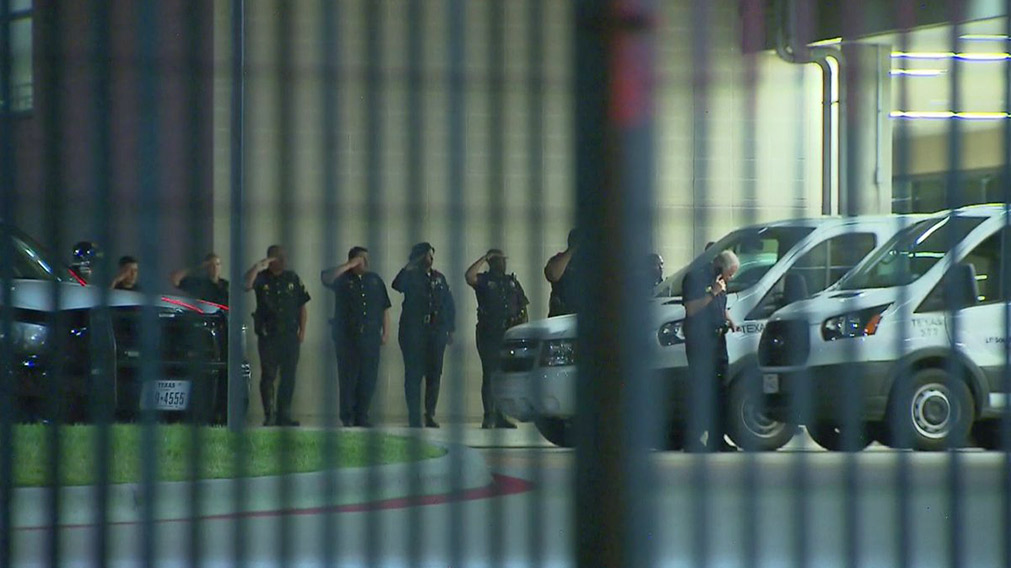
(908, 348)
(781, 262)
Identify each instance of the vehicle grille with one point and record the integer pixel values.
(519, 355)
(784, 343)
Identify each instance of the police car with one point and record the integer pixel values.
(909, 348)
(83, 345)
(781, 262)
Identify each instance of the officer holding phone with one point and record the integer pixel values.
(706, 325)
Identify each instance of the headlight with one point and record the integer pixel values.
(854, 324)
(559, 353)
(671, 333)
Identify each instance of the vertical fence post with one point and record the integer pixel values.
(614, 177)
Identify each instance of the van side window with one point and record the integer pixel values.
(818, 269)
(991, 284)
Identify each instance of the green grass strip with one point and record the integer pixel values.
(304, 452)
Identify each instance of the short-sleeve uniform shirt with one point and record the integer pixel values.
(360, 301)
(279, 298)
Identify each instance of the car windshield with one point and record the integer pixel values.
(758, 249)
(910, 253)
(31, 261)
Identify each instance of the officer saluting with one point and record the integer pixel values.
(426, 327)
(280, 322)
(360, 325)
(501, 304)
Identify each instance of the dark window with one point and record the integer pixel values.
(818, 269)
(16, 27)
(985, 261)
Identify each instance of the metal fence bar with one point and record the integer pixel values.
(537, 509)
(903, 470)
(753, 37)
(375, 101)
(283, 34)
(99, 410)
(236, 291)
(150, 186)
(330, 32)
(417, 86)
(702, 392)
(956, 524)
(51, 25)
(8, 203)
(1005, 418)
(456, 25)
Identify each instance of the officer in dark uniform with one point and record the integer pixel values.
(360, 326)
(128, 277)
(563, 274)
(705, 328)
(427, 324)
(203, 281)
(501, 304)
(280, 322)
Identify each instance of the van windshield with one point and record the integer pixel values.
(758, 249)
(30, 260)
(910, 253)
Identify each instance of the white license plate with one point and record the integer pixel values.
(770, 383)
(166, 395)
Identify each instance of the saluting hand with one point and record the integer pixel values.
(719, 285)
(301, 335)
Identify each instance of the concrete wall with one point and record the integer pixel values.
(700, 194)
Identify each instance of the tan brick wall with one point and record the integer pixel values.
(786, 181)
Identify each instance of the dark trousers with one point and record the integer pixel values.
(278, 355)
(708, 365)
(358, 373)
(489, 347)
(423, 349)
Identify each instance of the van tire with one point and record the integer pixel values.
(747, 425)
(930, 412)
(558, 431)
(832, 437)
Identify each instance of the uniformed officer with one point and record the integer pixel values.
(563, 274)
(705, 329)
(203, 281)
(360, 326)
(501, 304)
(280, 322)
(427, 323)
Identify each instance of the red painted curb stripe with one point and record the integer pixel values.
(501, 485)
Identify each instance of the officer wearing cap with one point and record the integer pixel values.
(360, 327)
(427, 323)
(501, 304)
(279, 322)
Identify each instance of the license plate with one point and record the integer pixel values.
(770, 384)
(166, 395)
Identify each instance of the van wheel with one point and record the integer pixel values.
(558, 431)
(749, 425)
(987, 435)
(930, 412)
(834, 438)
